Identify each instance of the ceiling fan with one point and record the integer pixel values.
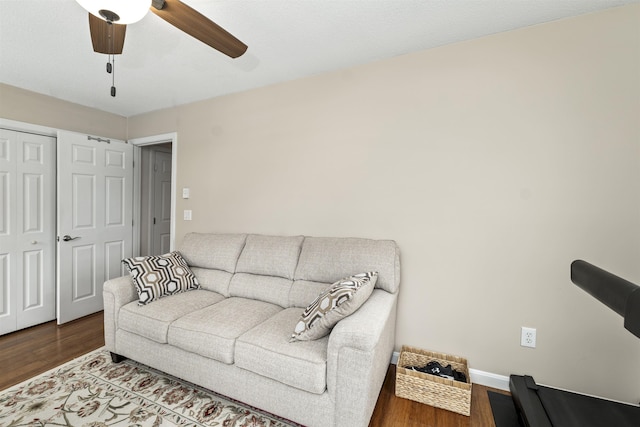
(108, 19)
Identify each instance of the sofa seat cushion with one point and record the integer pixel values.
(266, 350)
(152, 321)
(212, 331)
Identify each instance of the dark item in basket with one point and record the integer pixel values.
(435, 368)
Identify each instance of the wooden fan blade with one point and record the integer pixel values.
(199, 26)
(106, 38)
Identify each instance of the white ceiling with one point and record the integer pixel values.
(45, 45)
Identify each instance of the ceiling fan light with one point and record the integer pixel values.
(128, 11)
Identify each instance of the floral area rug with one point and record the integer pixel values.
(93, 391)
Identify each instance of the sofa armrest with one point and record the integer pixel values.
(359, 352)
(116, 293)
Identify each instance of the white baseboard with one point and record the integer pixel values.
(487, 379)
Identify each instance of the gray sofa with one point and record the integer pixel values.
(232, 335)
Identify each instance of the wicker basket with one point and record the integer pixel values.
(436, 391)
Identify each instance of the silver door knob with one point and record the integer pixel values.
(67, 238)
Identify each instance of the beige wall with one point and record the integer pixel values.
(33, 108)
(493, 163)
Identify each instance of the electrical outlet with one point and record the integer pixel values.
(528, 337)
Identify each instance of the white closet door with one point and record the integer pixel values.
(27, 233)
(8, 252)
(95, 231)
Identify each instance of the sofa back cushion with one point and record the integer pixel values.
(271, 289)
(304, 291)
(289, 271)
(270, 255)
(265, 268)
(214, 251)
(213, 280)
(327, 259)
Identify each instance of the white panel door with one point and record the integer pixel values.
(95, 232)
(27, 232)
(8, 240)
(161, 236)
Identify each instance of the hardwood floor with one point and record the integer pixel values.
(29, 352)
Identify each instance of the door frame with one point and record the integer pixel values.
(138, 143)
(28, 128)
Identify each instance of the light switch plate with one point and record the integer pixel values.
(185, 193)
(187, 215)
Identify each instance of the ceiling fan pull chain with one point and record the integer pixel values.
(110, 37)
(111, 58)
(113, 77)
